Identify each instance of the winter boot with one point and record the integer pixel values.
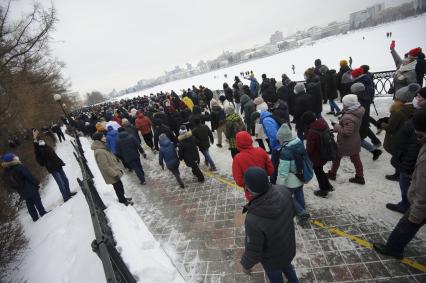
(357, 180)
(385, 250)
(376, 153)
(321, 193)
(213, 168)
(331, 176)
(393, 177)
(337, 114)
(219, 145)
(395, 207)
(330, 113)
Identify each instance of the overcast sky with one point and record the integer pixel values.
(110, 44)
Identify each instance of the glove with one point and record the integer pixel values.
(392, 45)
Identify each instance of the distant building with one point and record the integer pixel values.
(370, 14)
(276, 37)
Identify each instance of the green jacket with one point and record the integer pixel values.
(234, 124)
(110, 166)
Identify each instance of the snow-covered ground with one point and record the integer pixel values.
(59, 243)
(373, 51)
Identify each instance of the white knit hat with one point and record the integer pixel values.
(350, 100)
(299, 87)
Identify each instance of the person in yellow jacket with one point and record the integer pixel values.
(188, 102)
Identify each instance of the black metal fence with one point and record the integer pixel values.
(104, 244)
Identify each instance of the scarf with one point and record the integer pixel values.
(354, 107)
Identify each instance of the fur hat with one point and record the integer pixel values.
(256, 180)
(299, 87)
(284, 133)
(350, 100)
(7, 157)
(308, 118)
(182, 130)
(343, 63)
(258, 100)
(407, 93)
(414, 52)
(357, 88)
(97, 136)
(419, 119)
(229, 110)
(357, 72)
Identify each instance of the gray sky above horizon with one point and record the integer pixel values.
(109, 44)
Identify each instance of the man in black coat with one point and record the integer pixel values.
(270, 237)
(228, 94)
(303, 103)
(24, 183)
(209, 96)
(128, 148)
(313, 88)
(160, 129)
(204, 138)
(189, 153)
(46, 157)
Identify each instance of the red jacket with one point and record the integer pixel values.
(247, 157)
(143, 124)
(313, 142)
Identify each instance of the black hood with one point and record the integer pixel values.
(268, 205)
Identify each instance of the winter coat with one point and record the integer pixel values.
(208, 94)
(404, 74)
(188, 149)
(368, 84)
(132, 131)
(348, 138)
(217, 117)
(110, 166)
(330, 85)
(188, 102)
(46, 157)
(237, 94)
(313, 141)
(417, 191)
(229, 95)
(313, 88)
(232, 127)
(344, 81)
(254, 86)
(28, 183)
(399, 114)
(269, 228)
(204, 136)
(128, 147)
(303, 103)
(111, 140)
(168, 154)
(161, 118)
(420, 68)
(166, 130)
(268, 95)
(270, 126)
(258, 127)
(247, 107)
(284, 93)
(365, 100)
(405, 149)
(287, 167)
(143, 124)
(247, 157)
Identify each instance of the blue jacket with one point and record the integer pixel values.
(28, 184)
(270, 127)
(111, 140)
(287, 168)
(168, 154)
(253, 85)
(368, 83)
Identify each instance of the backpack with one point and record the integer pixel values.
(305, 171)
(328, 146)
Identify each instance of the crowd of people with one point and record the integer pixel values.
(180, 127)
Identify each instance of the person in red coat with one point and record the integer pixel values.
(313, 143)
(143, 124)
(247, 157)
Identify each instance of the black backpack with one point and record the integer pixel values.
(328, 149)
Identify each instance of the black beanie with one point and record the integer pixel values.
(422, 92)
(317, 62)
(256, 180)
(419, 120)
(308, 118)
(97, 136)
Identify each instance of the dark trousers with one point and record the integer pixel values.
(176, 173)
(404, 184)
(403, 233)
(136, 166)
(323, 182)
(148, 140)
(197, 172)
(63, 183)
(234, 152)
(262, 144)
(276, 276)
(60, 135)
(373, 137)
(275, 158)
(33, 202)
(119, 191)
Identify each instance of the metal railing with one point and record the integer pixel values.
(104, 244)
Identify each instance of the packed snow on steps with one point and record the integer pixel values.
(59, 248)
(373, 51)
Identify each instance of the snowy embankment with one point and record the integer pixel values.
(59, 248)
(373, 51)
